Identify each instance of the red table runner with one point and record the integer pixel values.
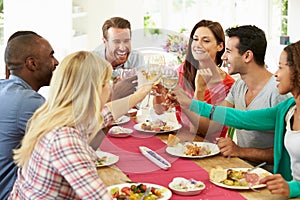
(139, 169)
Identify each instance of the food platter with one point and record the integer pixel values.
(166, 193)
(259, 171)
(180, 149)
(173, 127)
(106, 159)
(121, 120)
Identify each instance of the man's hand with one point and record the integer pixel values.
(228, 147)
(123, 88)
(276, 185)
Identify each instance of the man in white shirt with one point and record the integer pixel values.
(116, 49)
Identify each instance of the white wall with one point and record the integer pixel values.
(101, 10)
(52, 19)
(293, 20)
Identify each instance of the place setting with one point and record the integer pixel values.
(191, 150)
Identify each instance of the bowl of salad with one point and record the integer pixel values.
(186, 187)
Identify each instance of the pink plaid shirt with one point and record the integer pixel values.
(62, 166)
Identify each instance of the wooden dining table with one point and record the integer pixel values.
(112, 175)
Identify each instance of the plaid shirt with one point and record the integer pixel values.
(62, 166)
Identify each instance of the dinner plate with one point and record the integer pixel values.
(108, 158)
(179, 150)
(121, 120)
(259, 171)
(175, 127)
(167, 194)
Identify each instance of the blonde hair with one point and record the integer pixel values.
(74, 101)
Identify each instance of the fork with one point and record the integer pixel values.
(257, 166)
(148, 190)
(252, 188)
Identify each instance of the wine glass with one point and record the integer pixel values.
(169, 80)
(127, 73)
(154, 66)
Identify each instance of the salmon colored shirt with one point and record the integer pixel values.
(214, 95)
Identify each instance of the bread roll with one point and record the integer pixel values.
(172, 140)
(218, 174)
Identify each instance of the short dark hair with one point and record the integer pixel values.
(251, 38)
(115, 22)
(20, 33)
(19, 47)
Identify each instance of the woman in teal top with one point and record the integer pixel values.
(283, 118)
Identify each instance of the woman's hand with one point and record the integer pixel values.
(203, 76)
(178, 96)
(276, 185)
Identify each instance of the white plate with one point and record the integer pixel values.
(190, 188)
(117, 131)
(167, 194)
(175, 126)
(110, 158)
(179, 150)
(259, 171)
(122, 120)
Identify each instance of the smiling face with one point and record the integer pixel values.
(203, 42)
(117, 45)
(283, 75)
(232, 58)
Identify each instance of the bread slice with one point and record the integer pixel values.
(218, 174)
(172, 140)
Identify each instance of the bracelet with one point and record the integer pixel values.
(212, 112)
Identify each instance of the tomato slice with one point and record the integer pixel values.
(126, 190)
(116, 194)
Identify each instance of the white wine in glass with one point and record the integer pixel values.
(155, 65)
(169, 80)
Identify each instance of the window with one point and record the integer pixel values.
(284, 17)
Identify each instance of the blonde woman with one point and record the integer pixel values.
(55, 160)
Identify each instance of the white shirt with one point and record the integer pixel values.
(291, 143)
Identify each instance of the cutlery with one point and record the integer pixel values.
(148, 190)
(257, 166)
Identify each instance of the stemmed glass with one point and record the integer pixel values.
(127, 73)
(154, 67)
(169, 80)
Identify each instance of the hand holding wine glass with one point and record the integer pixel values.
(169, 80)
(155, 64)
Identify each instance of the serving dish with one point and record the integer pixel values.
(121, 120)
(118, 131)
(106, 159)
(186, 187)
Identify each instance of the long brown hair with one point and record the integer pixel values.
(293, 60)
(191, 65)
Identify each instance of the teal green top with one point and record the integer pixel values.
(263, 119)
